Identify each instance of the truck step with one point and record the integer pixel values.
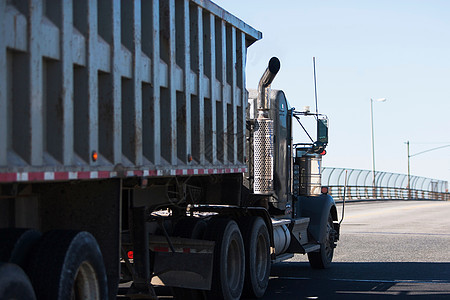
(282, 257)
(300, 222)
(311, 247)
(299, 231)
(281, 222)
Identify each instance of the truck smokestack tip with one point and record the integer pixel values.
(274, 65)
(265, 81)
(270, 73)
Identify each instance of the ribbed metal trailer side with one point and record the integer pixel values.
(145, 84)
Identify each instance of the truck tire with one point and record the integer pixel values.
(68, 265)
(193, 228)
(14, 283)
(229, 259)
(257, 256)
(322, 259)
(16, 243)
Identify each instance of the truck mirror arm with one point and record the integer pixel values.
(304, 129)
(316, 146)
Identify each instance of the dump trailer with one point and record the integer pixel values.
(132, 155)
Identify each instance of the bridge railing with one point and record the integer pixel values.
(387, 185)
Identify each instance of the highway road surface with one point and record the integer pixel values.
(388, 250)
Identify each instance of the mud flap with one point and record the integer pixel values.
(190, 266)
(184, 270)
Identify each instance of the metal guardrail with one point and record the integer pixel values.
(387, 185)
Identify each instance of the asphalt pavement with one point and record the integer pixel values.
(387, 249)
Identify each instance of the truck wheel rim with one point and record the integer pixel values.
(86, 283)
(234, 264)
(328, 247)
(261, 258)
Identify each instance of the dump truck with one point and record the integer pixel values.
(132, 155)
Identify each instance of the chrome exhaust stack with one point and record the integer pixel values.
(263, 104)
(263, 160)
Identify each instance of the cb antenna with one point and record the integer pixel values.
(315, 85)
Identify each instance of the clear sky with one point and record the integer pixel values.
(399, 50)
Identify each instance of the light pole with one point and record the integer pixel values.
(373, 143)
(409, 172)
(409, 164)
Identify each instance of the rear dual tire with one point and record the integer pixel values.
(257, 256)
(193, 228)
(16, 243)
(15, 246)
(242, 262)
(228, 262)
(229, 259)
(68, 265)
(61, 265)
(14, 283)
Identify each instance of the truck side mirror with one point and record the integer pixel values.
(322, 131)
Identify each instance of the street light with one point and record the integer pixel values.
(409, 172)
(373, 142)
(409, 164)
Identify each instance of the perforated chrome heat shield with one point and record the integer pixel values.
(263, 157)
